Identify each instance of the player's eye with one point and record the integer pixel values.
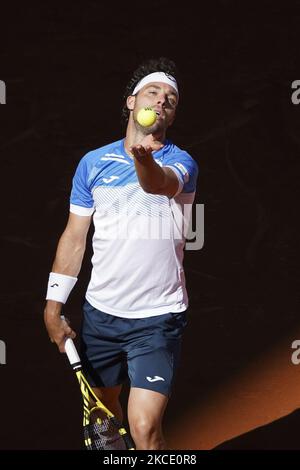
(172, 102)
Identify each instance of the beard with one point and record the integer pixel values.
(157, 127)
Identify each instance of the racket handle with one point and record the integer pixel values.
(71, 352)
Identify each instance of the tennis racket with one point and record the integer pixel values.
(101, 429)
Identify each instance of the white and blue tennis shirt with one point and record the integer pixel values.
(138, 240)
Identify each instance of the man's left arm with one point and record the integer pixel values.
(153, 178)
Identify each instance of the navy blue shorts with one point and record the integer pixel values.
(146, 350)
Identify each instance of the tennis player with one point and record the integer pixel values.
(134, 311)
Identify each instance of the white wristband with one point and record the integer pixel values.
(59, 287)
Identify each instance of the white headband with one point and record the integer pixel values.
(161, 77)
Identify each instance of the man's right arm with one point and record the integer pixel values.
(68, 260)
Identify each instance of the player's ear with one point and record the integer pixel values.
(130, 102)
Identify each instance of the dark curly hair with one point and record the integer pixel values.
(162, 64)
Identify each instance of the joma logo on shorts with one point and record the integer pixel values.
(155, 378)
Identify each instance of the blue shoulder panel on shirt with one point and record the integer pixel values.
(107, 165)
(111, 166)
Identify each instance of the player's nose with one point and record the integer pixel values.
(161, 99)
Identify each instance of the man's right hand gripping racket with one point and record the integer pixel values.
(102, 431)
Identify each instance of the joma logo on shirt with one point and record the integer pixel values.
(110, 179)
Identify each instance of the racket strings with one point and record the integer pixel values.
(102, 434)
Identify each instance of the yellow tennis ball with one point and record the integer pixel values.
(146, 117)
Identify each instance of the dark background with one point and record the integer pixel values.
(66, 66)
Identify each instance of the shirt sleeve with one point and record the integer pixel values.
(81, 199)
(186, 170)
